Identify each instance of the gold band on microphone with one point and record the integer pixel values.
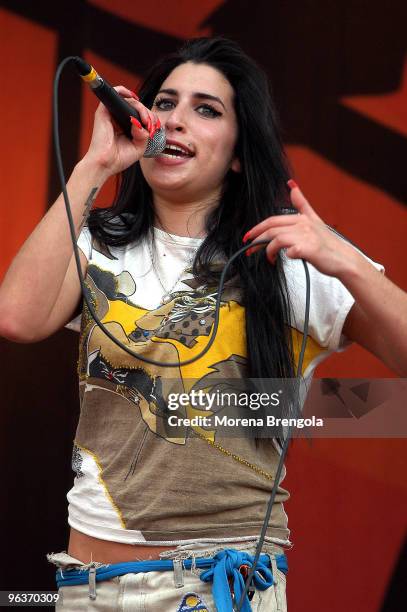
(91, 76)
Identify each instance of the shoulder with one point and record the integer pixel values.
(330, 302)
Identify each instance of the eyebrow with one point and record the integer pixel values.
(197, 94)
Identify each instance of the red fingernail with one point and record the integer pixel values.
(292, 184)
(136, 122)
(135, 96)
(249, 252)
(151, 128)
(156, 127)
(246, 237)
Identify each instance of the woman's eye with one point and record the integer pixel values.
(208, 110)
(167, 104)
(164, 104)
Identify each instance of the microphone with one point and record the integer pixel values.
(117, 106)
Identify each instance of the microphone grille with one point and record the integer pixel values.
(156, 144)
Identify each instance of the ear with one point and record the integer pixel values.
(235, 165)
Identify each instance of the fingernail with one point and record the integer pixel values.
(157, 126)
(135, 96)
(246, 237)
(150, 128)
(136, 122)
(249, 252)
(292, 184)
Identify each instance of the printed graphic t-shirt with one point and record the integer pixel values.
(134, 483)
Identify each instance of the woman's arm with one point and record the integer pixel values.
(378, 319)
(41, 289)
(44, 268)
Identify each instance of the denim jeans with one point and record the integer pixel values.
(170, 591)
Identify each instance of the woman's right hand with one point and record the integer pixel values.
(110, 149)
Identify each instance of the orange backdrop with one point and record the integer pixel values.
(339, 73)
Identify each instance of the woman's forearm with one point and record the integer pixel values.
(34, 279)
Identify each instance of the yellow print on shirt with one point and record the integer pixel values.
(173, 332)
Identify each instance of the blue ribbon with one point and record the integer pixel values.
(225, 564)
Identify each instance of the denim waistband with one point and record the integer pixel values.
(218, 569)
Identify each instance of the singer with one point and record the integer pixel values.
(147, 507)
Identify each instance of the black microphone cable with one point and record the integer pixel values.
(78, 264)
(216, 318)
(61, 173)
(284, 448)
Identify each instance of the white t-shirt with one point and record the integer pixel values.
(136, 483)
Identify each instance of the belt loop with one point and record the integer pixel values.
(178, 573)
(92, 582)
(275, 581)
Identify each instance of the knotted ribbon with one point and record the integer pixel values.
(226, 564)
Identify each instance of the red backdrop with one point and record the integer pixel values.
(339, 73)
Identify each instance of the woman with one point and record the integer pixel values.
(152, 263)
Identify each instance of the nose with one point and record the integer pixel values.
(175, 121)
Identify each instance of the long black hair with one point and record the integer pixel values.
(248, 197)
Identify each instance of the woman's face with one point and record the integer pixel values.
(195, 105)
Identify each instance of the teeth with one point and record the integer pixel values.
(172, 147)
(175, 148)
(171, 155)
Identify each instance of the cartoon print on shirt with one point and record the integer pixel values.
(167, 333)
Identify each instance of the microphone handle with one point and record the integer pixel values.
(116, 105)
(120, 110)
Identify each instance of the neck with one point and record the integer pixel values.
(183, 218)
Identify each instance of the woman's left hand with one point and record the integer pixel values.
(378, 319)
(304, 236)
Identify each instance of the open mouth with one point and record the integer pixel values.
(175, 151)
